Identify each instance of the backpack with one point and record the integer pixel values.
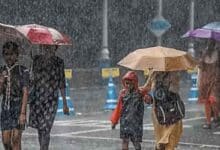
(169, 108)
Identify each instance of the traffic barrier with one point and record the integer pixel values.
(68, 99)
(111, 96)
(193, 93)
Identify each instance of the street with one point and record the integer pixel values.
(93, 131)
(75, 57)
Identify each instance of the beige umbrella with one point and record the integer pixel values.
(159, 59)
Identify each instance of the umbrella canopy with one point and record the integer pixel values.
(215, 26)
(9, 32)
(209, 31)
(38, 34)
(34, 34)
(159, 59)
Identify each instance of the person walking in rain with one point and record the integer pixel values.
(207, 82)
(130, 111)
(48, 80)
(166, 116)
(14, 81)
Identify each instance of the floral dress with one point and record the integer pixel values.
(16, 78)
(48, 79)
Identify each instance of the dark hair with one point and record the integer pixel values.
(12, 46)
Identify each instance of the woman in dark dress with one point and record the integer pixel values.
(48, 73)
(14, 81)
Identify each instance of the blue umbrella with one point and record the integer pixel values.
(209, 31)
(214, 26)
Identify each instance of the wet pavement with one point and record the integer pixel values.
(90, 128)
(93, 131)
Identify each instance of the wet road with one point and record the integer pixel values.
(92, 131)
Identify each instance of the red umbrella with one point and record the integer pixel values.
(38, 34)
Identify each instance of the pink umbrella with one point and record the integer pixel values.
(38, 34)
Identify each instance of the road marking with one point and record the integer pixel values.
(84, 123)
(98, 124)
(148, 127)
(145, 141)
(81, 121)
(86, 131)
(107, 124)
(73, 133)
(193, 110)
(193, 119)
(118, 139)
(216, 133)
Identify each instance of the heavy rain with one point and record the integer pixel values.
(81, 90)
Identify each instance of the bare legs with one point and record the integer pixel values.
(125, 143)
(12, 139)
(211, 106)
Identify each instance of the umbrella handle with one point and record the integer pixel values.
(31, 53)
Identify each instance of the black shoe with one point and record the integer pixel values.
(206, 126)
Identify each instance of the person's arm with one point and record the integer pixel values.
(148, 83)
(63, 88)
(25, 87)
(198, 77)
(146, 96)
(65, 107)
(22, 118)
(2, 79)
(115, 116)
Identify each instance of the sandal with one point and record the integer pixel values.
(206, 126)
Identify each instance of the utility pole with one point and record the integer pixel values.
(160, 12)
(193, 93)
(105, 59)
(159, 25)
(191, 27)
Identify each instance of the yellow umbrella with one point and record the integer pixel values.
(159, 59)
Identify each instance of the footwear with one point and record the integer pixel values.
(216, 123)
(206, 126)
(159, 147)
